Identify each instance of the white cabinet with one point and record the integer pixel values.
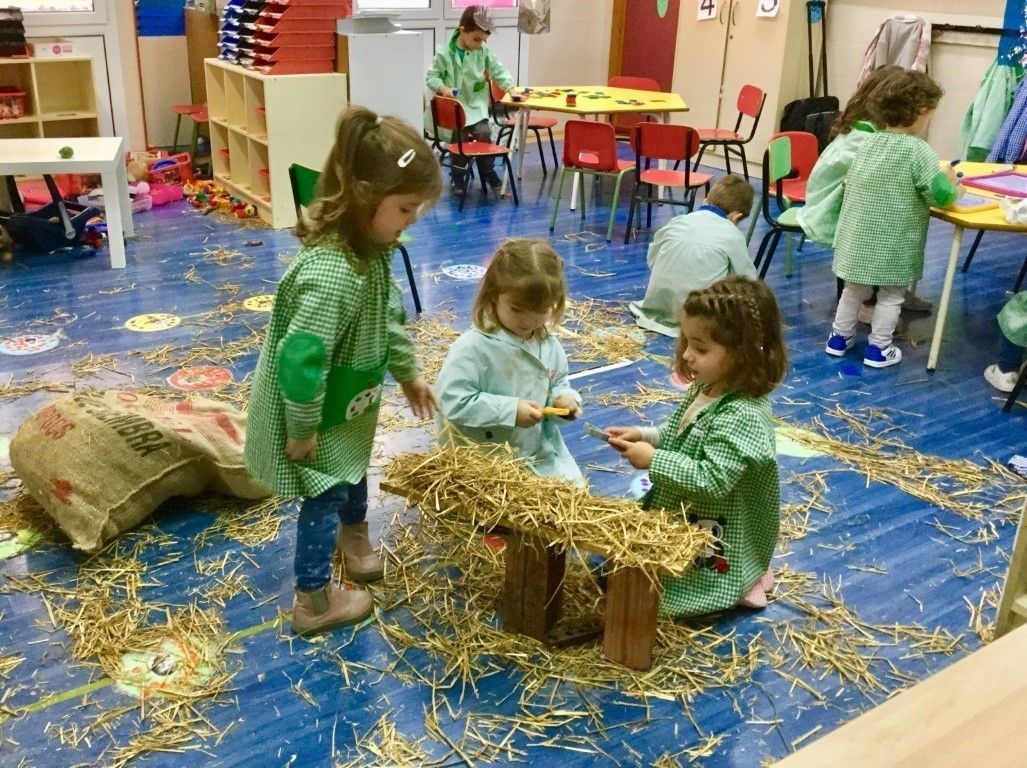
(386, 72)
(262, 124)
(715, 58)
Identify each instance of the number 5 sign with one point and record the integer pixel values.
(707, 10)
(768, 7)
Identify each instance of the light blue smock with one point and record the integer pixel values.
(483, 378)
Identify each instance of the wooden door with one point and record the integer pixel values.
(699, 64)
(758, 53)
(643, 38)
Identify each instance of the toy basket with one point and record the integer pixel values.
(12, 102)
(174, 169)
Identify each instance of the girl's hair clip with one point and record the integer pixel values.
(406, 158)
(377, 121)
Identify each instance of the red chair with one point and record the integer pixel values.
(507, 123)
(591, 148)
(448, 114)
(750, 104)
(660, 141)
(805, 151)
(624, 122)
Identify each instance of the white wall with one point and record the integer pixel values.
(957, 61)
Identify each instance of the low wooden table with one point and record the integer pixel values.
(970, 713)
(533, 595)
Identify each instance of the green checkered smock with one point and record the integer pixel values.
(358, 318)
(723, 469)
(882, 228)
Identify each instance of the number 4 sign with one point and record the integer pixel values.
(768, 7)
(707, 10)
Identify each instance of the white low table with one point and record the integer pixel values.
(103, 155)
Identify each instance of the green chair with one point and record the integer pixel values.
(304, 190)
(777, 166)
(591, 148)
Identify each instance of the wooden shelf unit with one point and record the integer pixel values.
(262, 124)
(60, 98)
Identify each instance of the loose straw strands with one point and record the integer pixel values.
(596, 331)
(965, 488)
(487, 489)
(638, 403)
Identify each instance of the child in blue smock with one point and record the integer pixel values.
(461, 69)
(500, 374)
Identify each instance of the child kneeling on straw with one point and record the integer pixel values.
(716, 458)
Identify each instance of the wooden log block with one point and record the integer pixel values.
(533, 590)
(629, 633)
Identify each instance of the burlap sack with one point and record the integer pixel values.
(100, 463)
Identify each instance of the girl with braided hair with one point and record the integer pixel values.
(715, 461)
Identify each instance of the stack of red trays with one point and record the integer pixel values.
(297, 36)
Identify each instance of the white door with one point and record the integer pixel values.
(699, 62)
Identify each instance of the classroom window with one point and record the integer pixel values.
(394, 5)
(55, 6)
(489, 3)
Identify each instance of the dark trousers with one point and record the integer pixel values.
(317, 526)
(480, 131)
(1010, 355)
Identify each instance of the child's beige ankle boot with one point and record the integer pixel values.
(361, 561)
(328, 608)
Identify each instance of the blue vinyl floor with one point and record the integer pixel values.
(882, 549)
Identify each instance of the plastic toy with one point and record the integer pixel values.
(66, 153)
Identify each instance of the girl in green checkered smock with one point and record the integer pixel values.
(882, 229)
(715, 461)
(336, 328)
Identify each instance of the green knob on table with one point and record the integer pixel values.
(66, 152)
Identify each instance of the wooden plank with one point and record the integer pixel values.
(1016, 585)
(533, 593)
(971, 713)
(629, 634)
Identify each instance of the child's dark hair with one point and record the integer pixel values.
(898, 102)
(373, 157)
(470, 24)
(732, 194)
(856, 108)
(531, 272)
(742, 316)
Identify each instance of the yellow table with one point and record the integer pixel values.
(991, 219)
(591, 100)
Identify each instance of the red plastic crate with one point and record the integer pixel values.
(12, 102)
(262, 56)
(274, 40)
(289, 24)
(174, 169)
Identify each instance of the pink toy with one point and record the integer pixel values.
(163, 194)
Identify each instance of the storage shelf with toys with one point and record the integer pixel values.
(262, 124)
(47, 98)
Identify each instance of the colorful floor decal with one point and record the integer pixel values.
(12, 544)
(789, 443)
(29, 344)
(199, 378)
(261, 303)
(151, 322)
(176, 667)
(464, 271)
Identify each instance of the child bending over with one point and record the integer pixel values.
(336, 328)
(882, 228)
(500, 374)
(716, 457)
(694, 251)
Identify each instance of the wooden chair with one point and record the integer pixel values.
(750, 105)
(661, 141)
(591, 148)
(624, 122)
(507, 123)
(304, 190)
(448, 114)
(777, 166)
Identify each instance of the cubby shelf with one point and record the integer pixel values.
(60, 99)
(262, 124)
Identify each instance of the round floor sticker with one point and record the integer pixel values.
(176, 666)
(29, 344)
(200, 377)
(262, 303)
(640, 486)
(154, 321)
(464, 271)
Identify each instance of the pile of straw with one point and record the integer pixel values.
(488, 488)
